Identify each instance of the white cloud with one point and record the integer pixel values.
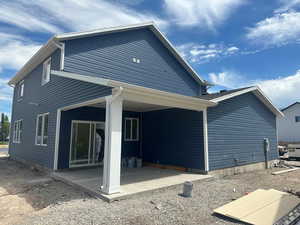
(287, 5)
(71, 15)
(277, 30)
(15, 51)
(5, 90)
(281, 90)
(197, 53)
(204, 13)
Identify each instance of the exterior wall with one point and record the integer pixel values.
(129, 148)
(288, 129)
(58, 92)
(173, 137)
(236, 129)
(110, 56)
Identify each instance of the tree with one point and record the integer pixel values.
(4, 127)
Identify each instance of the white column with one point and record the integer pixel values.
(205, 136)
(112, 151)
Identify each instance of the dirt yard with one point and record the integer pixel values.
(30, 197)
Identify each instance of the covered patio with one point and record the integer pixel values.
(172, 130)
(133, 180)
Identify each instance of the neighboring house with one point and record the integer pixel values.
(289, 125)
(131, 87)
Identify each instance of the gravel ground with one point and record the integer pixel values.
(56, 203)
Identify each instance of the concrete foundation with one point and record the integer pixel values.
(133, 180)
(241, 169)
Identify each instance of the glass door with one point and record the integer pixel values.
(85, 148)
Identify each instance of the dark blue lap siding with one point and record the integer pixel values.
(173, 137)
(236, 129)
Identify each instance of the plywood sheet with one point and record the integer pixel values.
(261, 207)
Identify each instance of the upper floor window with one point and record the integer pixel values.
(297, 119)
(21, 89)
(41, 137)
(131, 129)
(46, 71)
(17, 133)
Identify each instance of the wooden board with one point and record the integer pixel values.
(284, 171)
(261, 207)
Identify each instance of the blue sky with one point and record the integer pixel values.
(231, 43)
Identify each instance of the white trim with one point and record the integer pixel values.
(135, 92)
(258, 92)
(57, 134)
(131, 129)
(17, 132)
(205, 137)
(43, 115)
(52, 45)
(58, 121)
(61, 46)
(20, 90)
(75, 76)
(46, 71)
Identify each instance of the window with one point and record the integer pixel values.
(21, 89)
(131, 129)
(297, 119)
(17, 134)
(46, 71)
(41, 137)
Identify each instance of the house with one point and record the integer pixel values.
(130, 89)
(289, 125)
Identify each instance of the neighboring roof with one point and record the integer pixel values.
(211, 96)
(221, 96)
(54, 43)
(290, 106)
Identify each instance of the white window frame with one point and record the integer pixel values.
(17, 132)
(131, 129)
(47, 71)
(21, 89)
(43, 129)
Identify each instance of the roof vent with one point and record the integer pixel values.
(222, 91)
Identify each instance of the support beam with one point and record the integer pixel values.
(205, 136)
(112, 152)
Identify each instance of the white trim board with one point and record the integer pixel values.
(258, 93)
(54, 43)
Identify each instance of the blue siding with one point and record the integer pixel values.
(173, 137)
(129, 148)
(110, 56)
(57, 93)
(236, 129)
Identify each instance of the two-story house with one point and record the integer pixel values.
(289, 125)
(126, 92)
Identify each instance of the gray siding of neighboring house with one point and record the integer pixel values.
(236, 129)
(173, 137)
(110, 56)
(57, 93)
(129, 148)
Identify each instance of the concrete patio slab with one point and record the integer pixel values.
(133, 180)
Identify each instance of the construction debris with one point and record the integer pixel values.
(284, 171)
(261, 207)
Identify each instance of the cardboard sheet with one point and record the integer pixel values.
(261, 207)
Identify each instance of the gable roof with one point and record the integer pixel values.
(290, 106)
(221, 96)
(54, 43)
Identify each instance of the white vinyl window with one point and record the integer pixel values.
(41, 137)
(21, 89)
(46, 71)
(17, 133)
(131, 129)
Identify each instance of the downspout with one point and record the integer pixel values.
(61, 46)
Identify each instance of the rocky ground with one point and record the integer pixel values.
(30, 197)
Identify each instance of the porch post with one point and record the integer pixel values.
(205, 137)
(112, 151)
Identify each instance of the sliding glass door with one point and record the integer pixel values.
(87, 143)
